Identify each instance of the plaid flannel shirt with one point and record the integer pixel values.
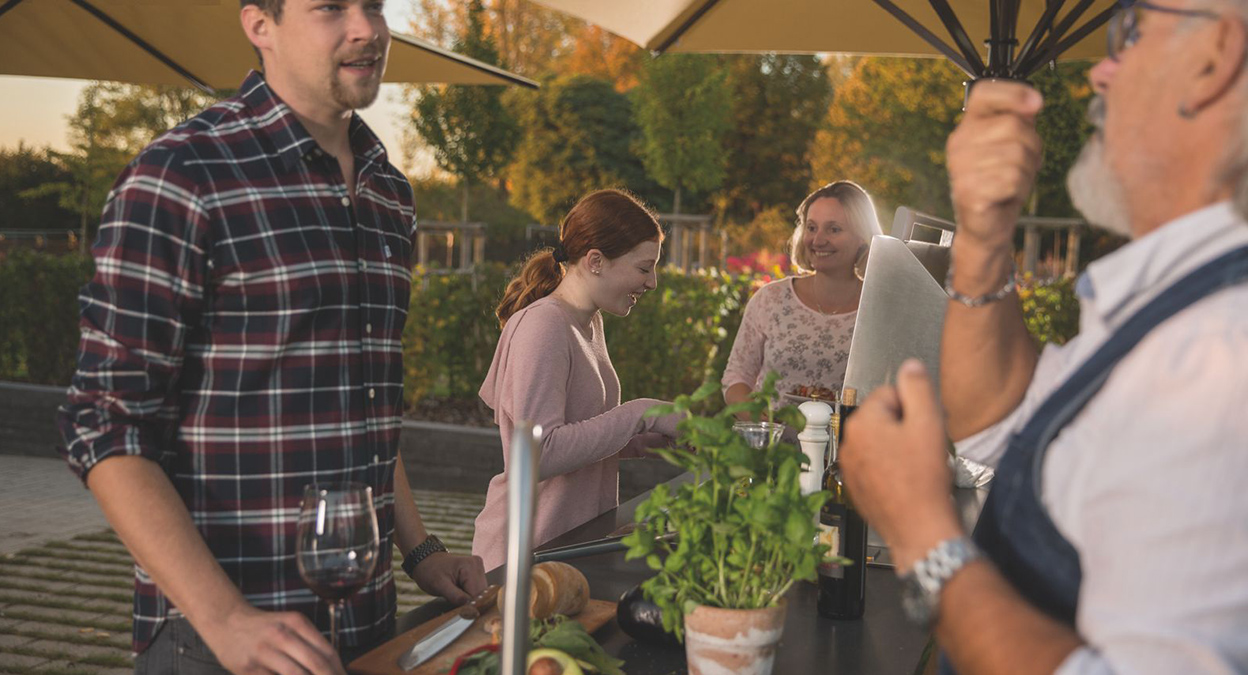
(243, 330)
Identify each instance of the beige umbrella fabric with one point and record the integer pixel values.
(179, 42)
(840, 26)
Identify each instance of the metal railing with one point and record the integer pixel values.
(909, 224)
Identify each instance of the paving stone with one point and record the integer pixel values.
(73, 634)
(77, 651)
(35, 598)
(55, 615)
(19, 662)
(8, 640)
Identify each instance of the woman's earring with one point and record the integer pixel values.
(596, 271)
(860, 265)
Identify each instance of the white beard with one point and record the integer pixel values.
(1094, 189)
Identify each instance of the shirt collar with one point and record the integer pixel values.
(1139, 270)
(293, 142)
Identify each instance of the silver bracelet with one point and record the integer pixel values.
(979, 301)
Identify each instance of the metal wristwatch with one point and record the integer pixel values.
(921, 586)
(428, 547)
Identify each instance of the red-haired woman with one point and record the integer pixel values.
(551, 367)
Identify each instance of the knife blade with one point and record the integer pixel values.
(429, 646)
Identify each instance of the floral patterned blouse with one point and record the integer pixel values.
(779, 332)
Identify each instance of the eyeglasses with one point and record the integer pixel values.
(1124, 26)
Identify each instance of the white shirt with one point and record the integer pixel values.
(1150, 481)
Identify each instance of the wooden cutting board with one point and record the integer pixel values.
(384, 660)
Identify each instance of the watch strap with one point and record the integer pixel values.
(428, 547)
(930, 574)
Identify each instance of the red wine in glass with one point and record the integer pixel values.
(337, 543)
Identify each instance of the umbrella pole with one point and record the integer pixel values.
(1004, 26)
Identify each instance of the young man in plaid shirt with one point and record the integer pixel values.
(241, 340)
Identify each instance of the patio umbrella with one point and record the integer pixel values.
(881, 27)
(177, 42)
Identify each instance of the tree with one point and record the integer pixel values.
(682, 107)
(889, 121)
(779, 101)
(578, 136)
(471, 133)
(1064, 127)
(23, 169)
(887, 127)
(531, 39)
(112, 123)
(597, 53)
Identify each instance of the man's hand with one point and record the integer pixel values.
(993, 158)
(457, 578)
(896, 467)
(250, 640)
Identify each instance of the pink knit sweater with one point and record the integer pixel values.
(552, 372)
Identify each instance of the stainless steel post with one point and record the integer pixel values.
(526, 444)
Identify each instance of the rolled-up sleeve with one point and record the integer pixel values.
(145, 297)
(986, 446)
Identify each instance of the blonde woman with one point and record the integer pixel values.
(801, 326)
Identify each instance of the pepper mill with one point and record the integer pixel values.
(814, 441)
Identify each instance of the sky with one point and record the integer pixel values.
(33, 110)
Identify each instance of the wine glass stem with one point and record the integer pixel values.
(335, 608)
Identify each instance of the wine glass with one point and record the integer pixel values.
(337, 546)
(759, 434)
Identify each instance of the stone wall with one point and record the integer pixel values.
(28, 419)
(437, 456)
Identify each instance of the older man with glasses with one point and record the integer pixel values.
(1115, 538)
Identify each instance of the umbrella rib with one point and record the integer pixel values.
(9, 5)
(482, 66)
(1070, 41)
(680, 31)
(958, 33)
(1042, 26)
(930, 38)
(143, 44)
(1057, 33)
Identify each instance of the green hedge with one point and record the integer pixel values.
(675, 337)
(1050, 309)
(39, 315)
(670, 342)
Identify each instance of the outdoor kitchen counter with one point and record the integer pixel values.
(881, 642)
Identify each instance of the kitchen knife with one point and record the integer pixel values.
(429, 646)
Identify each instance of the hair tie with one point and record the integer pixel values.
(560, 253)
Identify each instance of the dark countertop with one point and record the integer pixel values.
(881, 642)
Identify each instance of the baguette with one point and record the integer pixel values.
(557, 588)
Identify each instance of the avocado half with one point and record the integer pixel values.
(569, 664)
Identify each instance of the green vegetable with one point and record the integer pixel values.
(558, 632)
(745, 533)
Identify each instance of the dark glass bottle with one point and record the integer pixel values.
(842, 588)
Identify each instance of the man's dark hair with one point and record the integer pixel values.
(271, 7)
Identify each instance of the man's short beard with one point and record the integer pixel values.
(351, 100)
(1094, 189)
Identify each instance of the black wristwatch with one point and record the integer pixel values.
(428, 547)
(921, 586)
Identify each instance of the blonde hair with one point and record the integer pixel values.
(858, 206)
(612, 221)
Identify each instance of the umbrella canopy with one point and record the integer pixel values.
(1011, 39)
(176, 42)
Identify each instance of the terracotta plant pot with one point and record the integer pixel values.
(732, 641)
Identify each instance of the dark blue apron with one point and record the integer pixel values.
(1014, 529)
